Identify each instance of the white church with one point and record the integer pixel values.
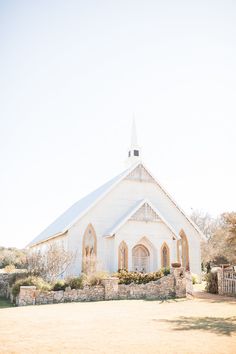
(130, 223)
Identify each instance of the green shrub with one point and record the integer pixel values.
(17, 276)
(59, 285)
(137, 278)
(165, 271)
(212, 283)
(36, 281)
(95, 278)
(194, 279)
(75, 283)
(10, 268)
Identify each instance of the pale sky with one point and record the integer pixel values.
(72, 73)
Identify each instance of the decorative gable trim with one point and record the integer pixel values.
(140, 174)
(144, 211)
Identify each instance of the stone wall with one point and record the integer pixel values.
(172, 285)
(159, 289)
(30, 296)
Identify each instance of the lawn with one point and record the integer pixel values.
(4, 303)
(205, 325)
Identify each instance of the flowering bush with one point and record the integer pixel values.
(126, 277)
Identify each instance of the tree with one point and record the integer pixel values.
(230, 228)
(221, 234)
(12, 256)
(50, 264)
(206, 223)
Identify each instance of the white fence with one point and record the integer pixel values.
(229, 282)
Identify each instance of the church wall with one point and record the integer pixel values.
(152, 235)
(117, 204)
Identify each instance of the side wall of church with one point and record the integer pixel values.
(116, 205)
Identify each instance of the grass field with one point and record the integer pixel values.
(202, 325)
(4, 303)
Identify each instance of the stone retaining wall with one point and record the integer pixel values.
(173, 285)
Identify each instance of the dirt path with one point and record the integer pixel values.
(201, 325)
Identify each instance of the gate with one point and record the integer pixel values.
(229, 282)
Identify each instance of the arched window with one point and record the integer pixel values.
(123, 256)
(89, 250)
(183, 250)
(165, 256)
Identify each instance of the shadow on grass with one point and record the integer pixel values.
(214, 298)
(219, 325)
(4, 303)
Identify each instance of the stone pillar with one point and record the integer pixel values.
(111, 288)
(220, 280)
(27, 295)
(179, 282)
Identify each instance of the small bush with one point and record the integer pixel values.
(59, 285)
(212, 283)
(36, 281)
(75, 283)
(165, 271)
(17, 276)
(95, 278)
(137, 278)
(194, 279)
(10, 268)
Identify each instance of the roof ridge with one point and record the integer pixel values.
(65, 220)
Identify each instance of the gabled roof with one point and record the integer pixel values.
(177, 206)
(77, 210)
(133, 211)
(62, 224)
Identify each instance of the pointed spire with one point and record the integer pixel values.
(134, 151)
(134, 133)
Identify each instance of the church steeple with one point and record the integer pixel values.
(134, 154)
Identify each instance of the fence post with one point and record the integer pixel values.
(111, 288)
(179, 282)
(220, 280)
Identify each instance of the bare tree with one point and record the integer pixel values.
(221, 234)
(52, 263)
(206, 223)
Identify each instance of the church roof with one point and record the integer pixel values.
(69, 217)
(138, 206)
(62, 224)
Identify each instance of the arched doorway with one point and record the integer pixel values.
(140, 257)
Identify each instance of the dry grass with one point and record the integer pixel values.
(206, 325)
